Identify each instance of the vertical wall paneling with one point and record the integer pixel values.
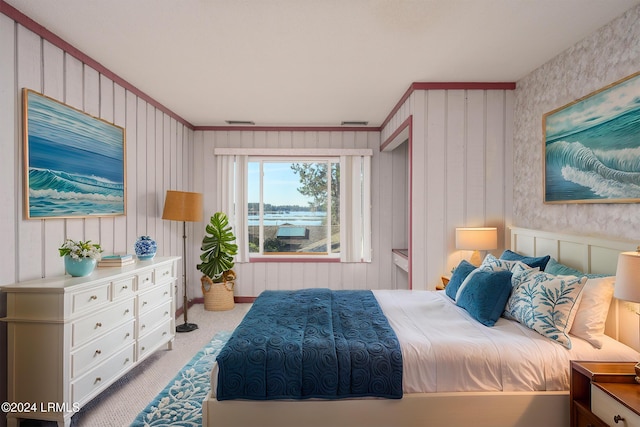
(437, 110)
(157, 232)
(461, 145)
(141, 166)
(455, 172)
(152, 185)
(420, 196)
(132, 164)
(53, 86)
(119, 119)
(30, 233)
(475, 159)
(495, 162)
(11, 170)
(91, 105)
(74, 86)
(509, 168)
(107, 225)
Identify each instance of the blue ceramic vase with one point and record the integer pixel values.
(79, 267)
(145, 248)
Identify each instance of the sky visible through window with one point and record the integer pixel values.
(281, 184)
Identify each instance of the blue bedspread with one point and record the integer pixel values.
(312, 343)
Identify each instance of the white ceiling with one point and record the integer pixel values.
(314, 62)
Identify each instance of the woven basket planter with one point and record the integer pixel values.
(218, 296)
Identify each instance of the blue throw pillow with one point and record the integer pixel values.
(485, 295)
(459, 274)
(532, 262)
(557, 269)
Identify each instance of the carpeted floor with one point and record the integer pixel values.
(121, 403)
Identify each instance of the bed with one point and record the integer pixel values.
(487, 391)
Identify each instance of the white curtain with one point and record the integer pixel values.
(232, 187)
(355, 208)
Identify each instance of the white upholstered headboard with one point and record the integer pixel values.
(591, 255)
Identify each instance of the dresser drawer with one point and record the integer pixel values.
(123, 288)
(152, 319)
(607, 408)
(153, 340)
(102, 375)
(101, 349)
(90, 299)
(164, 273)
(96, 324)
(145, 280)
(153, 297)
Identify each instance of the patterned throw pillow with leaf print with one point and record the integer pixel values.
(545, 303)
(492, 263)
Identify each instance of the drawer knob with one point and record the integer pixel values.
(98, 325)
(98, 379)
(125, 287)
(143, 326)
(127, 335)
(164, 333)
(146, 279)
(126, 311)
(166, 313)
(93, 297)
(617, 418)
(144, 303)
(98, 352)
(126, 360)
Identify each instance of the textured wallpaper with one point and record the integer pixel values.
(608, 55)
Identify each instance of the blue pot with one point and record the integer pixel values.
(145, 248)
(79, 267)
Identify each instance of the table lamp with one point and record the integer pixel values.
(183, 206)
(476, 239)
(627, 285)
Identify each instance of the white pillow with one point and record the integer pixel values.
(544, 302)
(593, 310)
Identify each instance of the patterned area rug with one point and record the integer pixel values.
(180, 403)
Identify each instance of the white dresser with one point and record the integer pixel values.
(69, 338)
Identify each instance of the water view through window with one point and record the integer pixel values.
(294, 207)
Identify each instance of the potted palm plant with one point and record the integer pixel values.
(218, 250)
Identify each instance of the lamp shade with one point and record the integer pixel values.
(627, 285)
(476, 239)
(182, 206)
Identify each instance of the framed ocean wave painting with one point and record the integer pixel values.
(74, 162)
(592, 147)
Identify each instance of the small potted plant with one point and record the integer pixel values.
(217, 255)
(80, 258)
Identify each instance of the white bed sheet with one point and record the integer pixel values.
(445, 350)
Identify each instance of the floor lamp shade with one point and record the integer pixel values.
(183, 206)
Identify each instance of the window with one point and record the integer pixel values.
(294, 206)
(301, 204)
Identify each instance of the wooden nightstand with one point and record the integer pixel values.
(445, 281)
(603, 392)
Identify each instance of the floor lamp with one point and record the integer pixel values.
(183, 206)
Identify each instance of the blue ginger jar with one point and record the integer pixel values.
(145, 248)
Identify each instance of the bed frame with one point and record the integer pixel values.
(482, 409)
